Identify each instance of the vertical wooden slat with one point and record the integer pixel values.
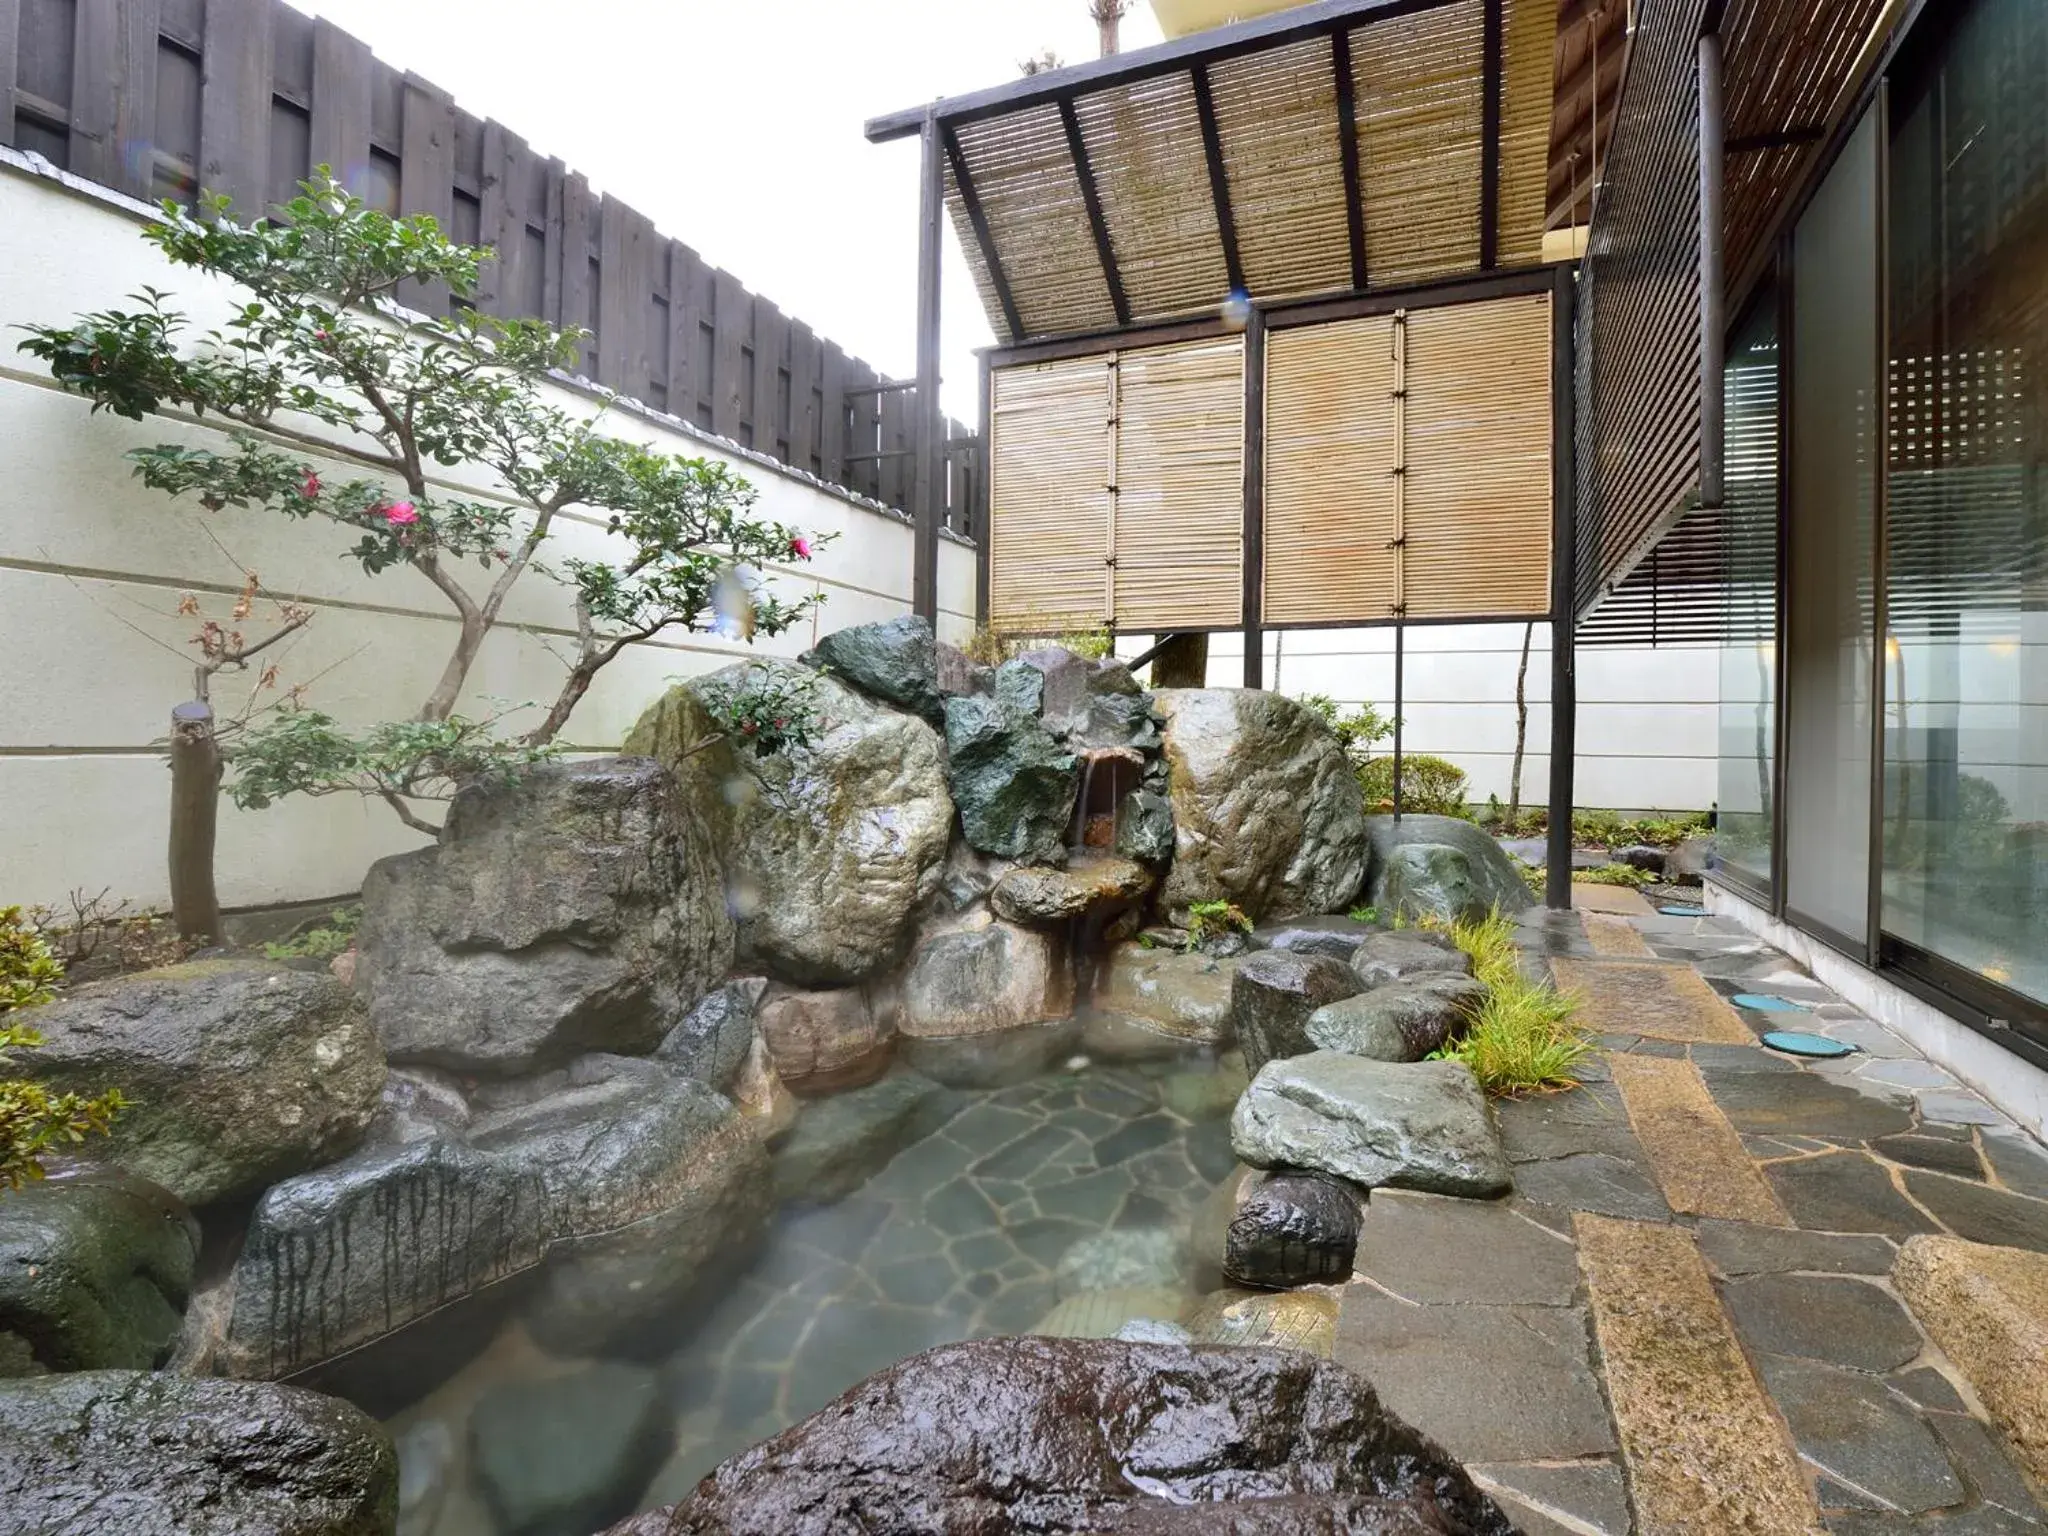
(867, 432)
(898, 477)
(804, 403)
(626, 299)
(503, 214)
(832, 382)
(771, 355)
(341, 106)
(10, 56)
(113, 93)
(685, 316)
(572, 258)
(427, 175)
(731, 317)
(557, 182)
(234, 102)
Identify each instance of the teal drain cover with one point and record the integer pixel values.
(1678, 909)
(1793, 1043)
(1766, 1002)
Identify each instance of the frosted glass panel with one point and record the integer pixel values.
(1748, 724)
(1831, 546)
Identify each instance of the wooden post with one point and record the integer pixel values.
(1564, 691)
(929, 484)
(1713, 278)
(195, 813)
(1254, 551)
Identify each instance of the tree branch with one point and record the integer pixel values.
(405, 814)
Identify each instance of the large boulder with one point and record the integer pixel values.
(95, 1270)
(239, 1073)
(1267, 811)
(1439, 866)
(1408, 955)
(575, 907)
(1184, 997)
(624, 1184)
(977, 981)
(1401, 1021)
(830, 846)
(1091, 887)
(147, 1454)
(1272, 996)
(821, 1042)
(1421, 1125)
(1009, 1436)
(1015, 786)
(1291, 1228)
(896, 661)
(716, 1036)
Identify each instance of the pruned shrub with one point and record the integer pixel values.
(1430, 786)
(33, 1121)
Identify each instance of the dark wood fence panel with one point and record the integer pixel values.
(171, 98)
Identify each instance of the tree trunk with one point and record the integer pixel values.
(195, 812)
(1108, 13)
(1521, 730)
(1182, 662)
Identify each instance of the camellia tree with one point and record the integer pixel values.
(319, 361)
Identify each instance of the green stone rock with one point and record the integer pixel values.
(896, 661)
(1014, 786)
(1439, 866)
(95, 1271)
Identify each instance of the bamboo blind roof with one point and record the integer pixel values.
(1331, 147)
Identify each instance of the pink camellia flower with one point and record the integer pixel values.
(310, 486)
(800, 547)
(400, 513)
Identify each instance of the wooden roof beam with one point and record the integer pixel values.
(977, 220)
(1219, 178)
(1295, 24)
(1489, 137)
(1091, 198)
(1347, 149)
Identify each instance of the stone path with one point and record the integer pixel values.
(1687, 1302)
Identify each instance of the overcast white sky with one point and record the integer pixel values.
(737, 127)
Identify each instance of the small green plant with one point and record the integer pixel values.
(1626, 875)
(1358, 731)
(1523, 1039)
(766, 710)
(323, 942)
(1430, 786)
(1364, 914)
(1213, 919)
(33, 1121)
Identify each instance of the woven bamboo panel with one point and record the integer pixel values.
(1329, 473)
(1277, 114)
(1528, 80)
(1479, 488)
(1180, 487)
(984, 285)
(1418, 85)
(1144, 144)
(1024, 176)
(1048, 495)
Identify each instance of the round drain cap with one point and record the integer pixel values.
(1768, 1002)
(1678, 909)
(1793, 1043)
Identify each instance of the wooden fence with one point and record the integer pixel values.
(163, 98)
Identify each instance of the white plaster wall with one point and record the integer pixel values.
(1647, 717)
(92, 567)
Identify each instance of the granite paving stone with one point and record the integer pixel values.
(1906, 1072)
(1843, 1321)
(1941, 1154)
(1958, 1108)
(1976, 1453)
(1591, 1494)
(1844, 1192)
(1925, 1385)
(1805, 1104)
(2021, 1165)
(1594, 1181)
(1849, 1427)
(1737, 1248)
(1979, 1214)
(1436, 1249)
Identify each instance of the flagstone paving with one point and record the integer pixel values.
(1683, 1320)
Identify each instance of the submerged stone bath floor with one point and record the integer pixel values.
(1078, 1184)
(1683, 1320)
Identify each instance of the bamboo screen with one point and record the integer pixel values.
(1420, 106)
(1116, 491)
(1463, 529)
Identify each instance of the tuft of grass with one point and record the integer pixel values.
(1364, 914)
(1524, 1039)
(1615, 874)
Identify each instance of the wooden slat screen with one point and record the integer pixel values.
(1049, 494)
(165, 98)
(1528, 86)
(1180, 487)
(1135, 457)
(1419, 111)
(1024, 173)
(1329, 473)
(1479, 490)
(1477, 461)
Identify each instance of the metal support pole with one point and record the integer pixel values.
(1713, 276)
(1400, 667)
(1564, 690)
(930, 482)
